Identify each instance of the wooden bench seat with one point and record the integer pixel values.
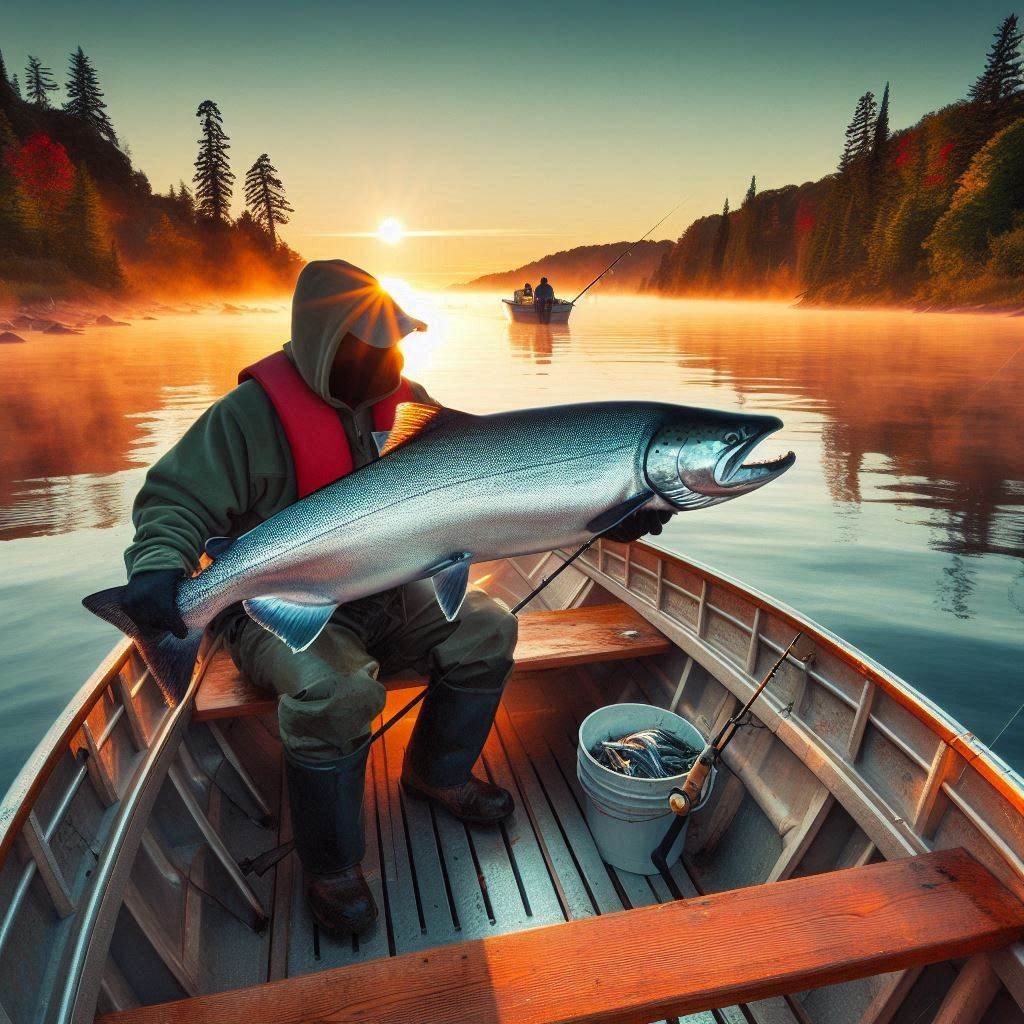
(641, 965)
(547, 639)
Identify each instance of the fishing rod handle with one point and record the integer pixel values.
(683, 800)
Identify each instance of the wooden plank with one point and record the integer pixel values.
(675, 958)
(547, 639)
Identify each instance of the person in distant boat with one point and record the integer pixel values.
(544, 298)
(527, 290)
(298, 420)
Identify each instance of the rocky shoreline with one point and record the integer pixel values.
(69, 318)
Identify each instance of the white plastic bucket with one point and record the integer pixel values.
(629, 817)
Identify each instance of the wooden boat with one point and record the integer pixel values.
(861, 860)
(521, 309)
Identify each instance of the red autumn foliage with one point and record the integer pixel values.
(41, 167)
(904, 152)
(805, 219)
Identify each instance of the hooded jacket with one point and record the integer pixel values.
(233, 468)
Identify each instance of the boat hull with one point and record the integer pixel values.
(529, 313)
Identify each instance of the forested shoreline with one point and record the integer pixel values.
(930, 216)
(79, 220)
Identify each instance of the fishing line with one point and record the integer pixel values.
(626, 252)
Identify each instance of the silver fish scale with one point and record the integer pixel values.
(494, 486)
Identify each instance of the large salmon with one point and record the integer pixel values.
(452, 489)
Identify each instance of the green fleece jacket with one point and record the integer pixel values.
(233, 468)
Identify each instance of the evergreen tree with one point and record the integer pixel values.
(720, 246)
(185, 202)
(14, 235)
(83, 245)
(264, 196)
(752, 191)
(38, 82)
(213, 176)
(859, 132)
(16, 86)
(85, 98)
(881, 133)
(1002, 76)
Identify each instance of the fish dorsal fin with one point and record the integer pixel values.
(298, 625)
(450, 581)
(412, 420)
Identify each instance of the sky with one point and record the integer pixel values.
(497, 133)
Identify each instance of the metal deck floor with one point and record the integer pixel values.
(438, 881)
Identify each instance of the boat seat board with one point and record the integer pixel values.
(547, 639)
(634, 966)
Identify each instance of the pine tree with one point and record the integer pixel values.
(264, 196)
(85, 98)
(14, 236)
(1002, 76)
(859, 132)
(82, 243)
(16, 86)
(881, 133)
(38, 82)
(752, 191)
(213, 176)
(186, 204)
(721, 244)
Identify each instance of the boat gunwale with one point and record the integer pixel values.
(20, 798)
(1006, 780)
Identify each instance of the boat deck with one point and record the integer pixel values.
(438, 881)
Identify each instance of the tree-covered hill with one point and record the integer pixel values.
(929, 215)
(573, 269)
(76, 218)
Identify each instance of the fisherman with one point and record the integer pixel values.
(527, 290)
(544, 297)
(298, 420)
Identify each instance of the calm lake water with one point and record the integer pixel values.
(901, 527)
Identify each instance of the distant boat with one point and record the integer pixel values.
(522, 309)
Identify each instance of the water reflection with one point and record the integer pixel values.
(537, 342)
(900, 526)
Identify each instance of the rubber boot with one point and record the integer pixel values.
(449, 734)
(327, 825)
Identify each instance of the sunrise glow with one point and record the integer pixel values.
(391, 231)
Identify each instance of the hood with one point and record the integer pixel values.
(332, 299)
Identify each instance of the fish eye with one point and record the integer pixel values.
(731, 438)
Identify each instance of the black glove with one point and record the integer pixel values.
(642, 522)
(150, 599)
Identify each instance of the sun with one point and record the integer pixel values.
(391, 231)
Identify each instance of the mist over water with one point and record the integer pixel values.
(901, 527)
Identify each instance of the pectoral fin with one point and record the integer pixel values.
(451, 579)
(614, 516)
(298, 625)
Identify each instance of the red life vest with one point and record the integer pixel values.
(319, 446)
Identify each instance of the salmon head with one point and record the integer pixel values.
(700, 457)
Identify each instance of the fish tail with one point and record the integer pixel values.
(169, 658)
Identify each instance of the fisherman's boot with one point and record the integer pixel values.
(449, 734)
(327, 822)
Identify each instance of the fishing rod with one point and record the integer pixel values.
(685, 799)
(622, 255)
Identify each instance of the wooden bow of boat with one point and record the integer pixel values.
(121, 890)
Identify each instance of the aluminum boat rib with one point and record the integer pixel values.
(852, 812)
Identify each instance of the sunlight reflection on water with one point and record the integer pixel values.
(900, 527)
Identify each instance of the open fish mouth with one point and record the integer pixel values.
(734, 473)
